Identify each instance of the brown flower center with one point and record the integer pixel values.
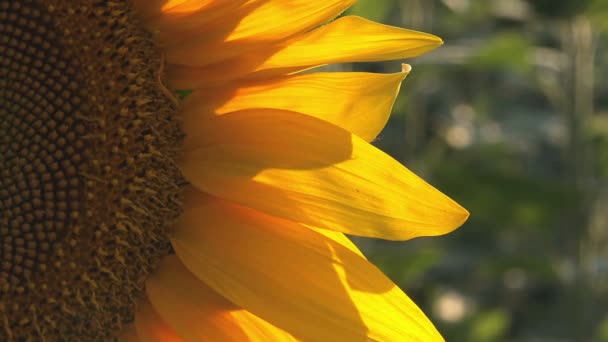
(88, 183)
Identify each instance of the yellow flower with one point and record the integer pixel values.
(219, 217)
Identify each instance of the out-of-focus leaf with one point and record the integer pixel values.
(603, 331)
(509, 50)
(598, 13)
(490, 325)
(502, 196)
(559, 9)
(405, 267)
(377, 10)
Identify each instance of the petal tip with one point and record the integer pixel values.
(459, 216)
(406, 68)
(464, 216)
(435, 42)
(434, 39)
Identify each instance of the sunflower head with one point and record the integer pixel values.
(88, 182)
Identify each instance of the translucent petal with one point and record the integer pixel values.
(197, 313)
(307, 170)
(347, 39)
(358, 102)
(247, 27)
(294, 277)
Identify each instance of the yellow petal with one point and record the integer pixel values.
(150, 326)
(157, 11)
(176, 22)
(347, 39)
(339, 238)
(197, 313)
(161, 14)
(192, 6)
(358, 102)
(351, 39)
(249, 27)
(306, 170)
(188, 77)
(294, 277)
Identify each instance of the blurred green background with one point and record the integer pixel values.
(510, 118)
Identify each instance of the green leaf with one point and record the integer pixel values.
(376, 10)
(491, 325)
(508, 50)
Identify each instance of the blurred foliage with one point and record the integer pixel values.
(506, 51)
(373, 10)
(509, 118)
(559, 9)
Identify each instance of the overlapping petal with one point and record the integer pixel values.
(251, 26)
(307, 170)
(351, 39)
(339, 238)
(162, 15)
(347, 39)
(197, 313)
(359, 102)
(292, 276)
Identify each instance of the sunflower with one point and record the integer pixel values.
(129, 212)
